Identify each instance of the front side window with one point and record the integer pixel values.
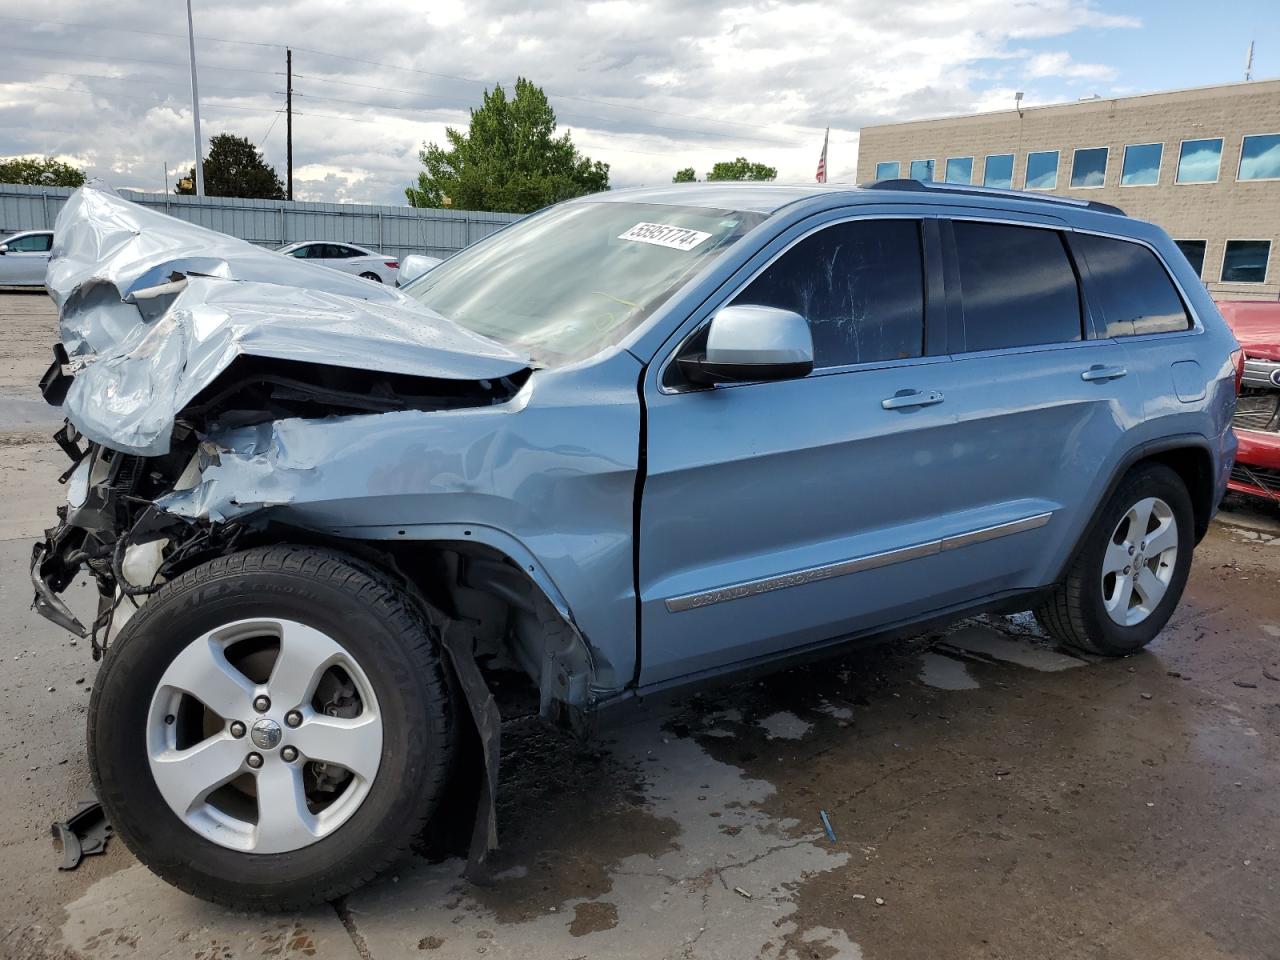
(1245, 261)
(959, 170)
(303, 252)
(1131, 287)
(1042, 170)
(887, 170)
(1193, 250)
(860, 285)
(1260, 157)
(1141, 165)
(999, 171)
(1089, 167)
(32, 243)
(1198, 161)
(1017, 286)
(921, 169)
(563, 284)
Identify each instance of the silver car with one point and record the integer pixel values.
(347, 257)
(24, 257)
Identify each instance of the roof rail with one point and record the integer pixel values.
(923, 186)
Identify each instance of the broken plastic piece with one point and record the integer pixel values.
(82, 834)
(826, 825)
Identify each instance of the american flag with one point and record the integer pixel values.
(822, 160)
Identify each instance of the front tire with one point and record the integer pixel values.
(273, 728)
(1129, 573)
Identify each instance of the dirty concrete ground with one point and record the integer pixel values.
(989, 795)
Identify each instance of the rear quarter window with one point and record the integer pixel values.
(1130, 286)
(1017, 286)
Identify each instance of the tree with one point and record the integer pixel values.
(687, 175)
(40, 172)
(742, 169)
(508, 160)
(235, 168)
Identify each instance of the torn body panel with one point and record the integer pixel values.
(153, 310)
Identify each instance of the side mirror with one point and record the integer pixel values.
(748, 343)
(414, 266)
(4, 248)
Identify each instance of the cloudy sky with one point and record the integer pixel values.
(647, 85)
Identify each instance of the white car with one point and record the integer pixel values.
(24, 258)
(346, 257)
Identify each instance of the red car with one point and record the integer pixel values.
(1256, 325)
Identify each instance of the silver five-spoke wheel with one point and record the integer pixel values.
(1139, 561)
(264, 735)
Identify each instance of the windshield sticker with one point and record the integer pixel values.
(678, 238)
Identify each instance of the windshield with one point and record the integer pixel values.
(563, 284)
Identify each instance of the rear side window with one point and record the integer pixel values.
(1130, 286)
(1017, 285)
(860, 285)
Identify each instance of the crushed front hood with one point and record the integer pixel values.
(153, 309)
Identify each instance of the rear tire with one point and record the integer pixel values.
(372, 276)
(1124, 582)
(336, 836)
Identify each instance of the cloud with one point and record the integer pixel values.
(1059, 64)
(647, 85)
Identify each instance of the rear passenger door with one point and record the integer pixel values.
(1043, 405)
(1140, 308)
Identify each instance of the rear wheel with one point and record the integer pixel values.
(1129, 573)
(372, 276)
(272, 729)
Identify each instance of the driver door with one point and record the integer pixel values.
(27, 259)
(780, 514)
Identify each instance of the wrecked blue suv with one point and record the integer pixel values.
(632, 441)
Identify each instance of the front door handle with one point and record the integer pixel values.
(913, 398)
(1099, 372)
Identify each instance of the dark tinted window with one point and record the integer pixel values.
(1245, 261)
(1131, 288)
(1017, 285)
(32, 243)
(1193, 250)
(859, 284)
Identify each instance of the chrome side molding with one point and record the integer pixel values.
(841, 568)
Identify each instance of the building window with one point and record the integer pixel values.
(1193, 250)
(1141, 166)
(1260, 157)
(921, 169)
(960, 170)
(1042, 170)
(1089, 167)
(1198, 161)
(999, 171)
(1246, 261)
(887, 170)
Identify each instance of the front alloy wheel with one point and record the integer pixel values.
(273, 728)
(264, 763)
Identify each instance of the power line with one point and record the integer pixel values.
(123, 96)
(82, 56)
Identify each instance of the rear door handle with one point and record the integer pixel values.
(914, 398)
(1099, 372)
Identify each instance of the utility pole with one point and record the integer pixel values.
(195, 105)
(288, 119)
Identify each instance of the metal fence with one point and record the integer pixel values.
(397, 231)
